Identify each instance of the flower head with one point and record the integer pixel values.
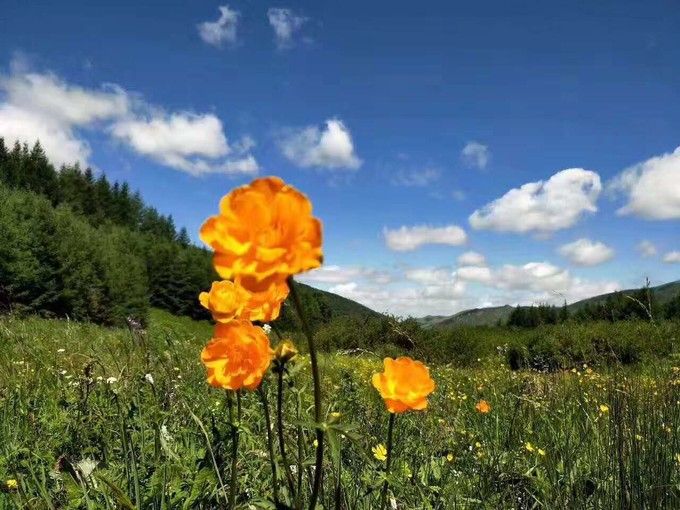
(285, 351)
(380, 452)
(238, 356)
(264, 229)
(404, 384)
(259, 301)
(604, 408)
(483, 407)
(12, 484)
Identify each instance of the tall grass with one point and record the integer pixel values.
(157, 437)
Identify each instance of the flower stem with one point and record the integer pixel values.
(279, 426)
(234, 444)
(270, 443)
(317, 393)
(388, 464)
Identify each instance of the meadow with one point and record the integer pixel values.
(93, 417)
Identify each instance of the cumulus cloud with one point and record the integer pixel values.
(652, 188)
(471, 258)
(427, 275)
(285, 24)
(479, 274)
(672, 257)
(411, 238)
(646, 248)
(185, 141)
(542, 206)
(41, 106)
(584, 252)
(329, 148)
(216, 33)
(476, 155)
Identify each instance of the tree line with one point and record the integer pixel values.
(619, 306)
(83, 247)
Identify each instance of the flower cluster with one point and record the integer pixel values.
(264, 234)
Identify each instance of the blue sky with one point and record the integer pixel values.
(399, 120)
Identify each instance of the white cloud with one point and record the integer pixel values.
(427, 275)
(285, 24)
(476, 155)
(479, 274)
(415, 178)
(672, 257)
(646, 248)
(410, 238)
(471, 258)
(185, 141)
(652, 187)
(216, 33)
(330, 148)
(542, 206)
(335, 274)
(60, 143)
(43, 107)
(584, 252)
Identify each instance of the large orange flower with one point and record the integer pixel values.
(264, 229)
(404, 385)
(259, 301)
(238, 356)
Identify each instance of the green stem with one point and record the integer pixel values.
(318, 467)
(388, 464)
(270, 443)
(279, 426)
(234, 444)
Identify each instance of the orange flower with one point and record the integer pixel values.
(404, 385)
(238, 356)
(225, 300)
(483, 407)
(266, 298)
(260, 302)
(264, 229)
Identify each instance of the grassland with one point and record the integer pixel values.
(101, 418)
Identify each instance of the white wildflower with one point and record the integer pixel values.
(111, 380)
(267, 328)
(148, 378)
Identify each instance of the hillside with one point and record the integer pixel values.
(661, 293)
(491, 316)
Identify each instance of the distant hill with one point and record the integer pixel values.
(492, 315)
(662, 294)
(474, 317)
(320, 307)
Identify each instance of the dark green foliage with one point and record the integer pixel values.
(76, 245)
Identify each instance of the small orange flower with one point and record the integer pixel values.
(259, 302)
(483, 407)
(225, 300)
(263, 229)
(404, 384)
(238, 356)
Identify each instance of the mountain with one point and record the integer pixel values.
(492, 315)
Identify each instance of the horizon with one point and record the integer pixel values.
(460, 157)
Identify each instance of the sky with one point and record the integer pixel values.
(459, 154)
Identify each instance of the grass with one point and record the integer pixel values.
(158, 437)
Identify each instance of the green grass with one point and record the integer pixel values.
(166, 444)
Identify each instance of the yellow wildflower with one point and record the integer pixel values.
(380, 452)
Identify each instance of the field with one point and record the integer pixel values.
(82, 425)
